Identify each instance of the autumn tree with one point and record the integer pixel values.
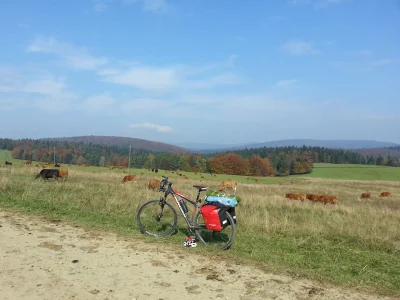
(229, 163)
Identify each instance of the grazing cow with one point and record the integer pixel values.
(154, 184)
(48, 173)
(63, 174)
(130, 178)
(8, 163)
(385, 194)
(329, 199)
(301, 197)
(322, 198)
(312, 197)
(227, 185)
(365, 195)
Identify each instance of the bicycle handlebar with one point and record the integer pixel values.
(163, 183)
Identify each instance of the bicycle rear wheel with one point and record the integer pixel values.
(157, 218)
(220, 239)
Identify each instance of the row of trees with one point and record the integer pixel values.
(280, 161)
(320, 155)
(101, 155)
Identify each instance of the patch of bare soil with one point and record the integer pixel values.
(48, 259)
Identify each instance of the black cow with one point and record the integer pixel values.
(8, 163)
(156, 170)
(48, 173)
(57, 165)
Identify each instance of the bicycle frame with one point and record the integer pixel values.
(175, 194)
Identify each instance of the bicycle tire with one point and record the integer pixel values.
(149, 232)
(225, 246)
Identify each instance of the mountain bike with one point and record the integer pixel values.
(159, 218)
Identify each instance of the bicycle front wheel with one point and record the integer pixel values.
(157, 218)
(220, 239)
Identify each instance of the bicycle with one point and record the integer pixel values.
(167, 219)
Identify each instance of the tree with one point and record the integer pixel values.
(102, 161)
(81, 160)
(380, 161)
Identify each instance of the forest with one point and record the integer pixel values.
(280, 161)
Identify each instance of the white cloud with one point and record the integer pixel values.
(100, 7)
(45, 86)
(156, 6)
(365, 52)
(215, 81)
(296, 47)
(75, 57)
(286, 83)
(150, 126)
(147, 78)
(150, 78)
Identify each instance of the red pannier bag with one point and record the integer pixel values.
(214, 217)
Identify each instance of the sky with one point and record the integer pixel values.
(184, 71)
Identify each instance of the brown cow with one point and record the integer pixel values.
(322, 198)
(227, 185)
(365, 195)
(130, 178)
(385, 194)
(312, 197)
(328, 199)
(301, 197)
(63, 174)
(154, 184)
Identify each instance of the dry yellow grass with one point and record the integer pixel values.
(354, 242)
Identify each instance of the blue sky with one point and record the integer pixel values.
(227, 71)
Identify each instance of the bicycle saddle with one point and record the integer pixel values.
(200, 187)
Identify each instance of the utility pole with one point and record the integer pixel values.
(129, 161)
(54, 155)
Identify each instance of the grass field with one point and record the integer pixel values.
(355, 172)
(355, 243)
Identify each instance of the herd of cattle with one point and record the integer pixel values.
(325, 199)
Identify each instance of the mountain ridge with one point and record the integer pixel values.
(334, 144)
(136, 143)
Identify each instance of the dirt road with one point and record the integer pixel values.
(48, 259)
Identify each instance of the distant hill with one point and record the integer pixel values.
(332, 144)
(208, 146)
(123, 142)
(395, 152)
